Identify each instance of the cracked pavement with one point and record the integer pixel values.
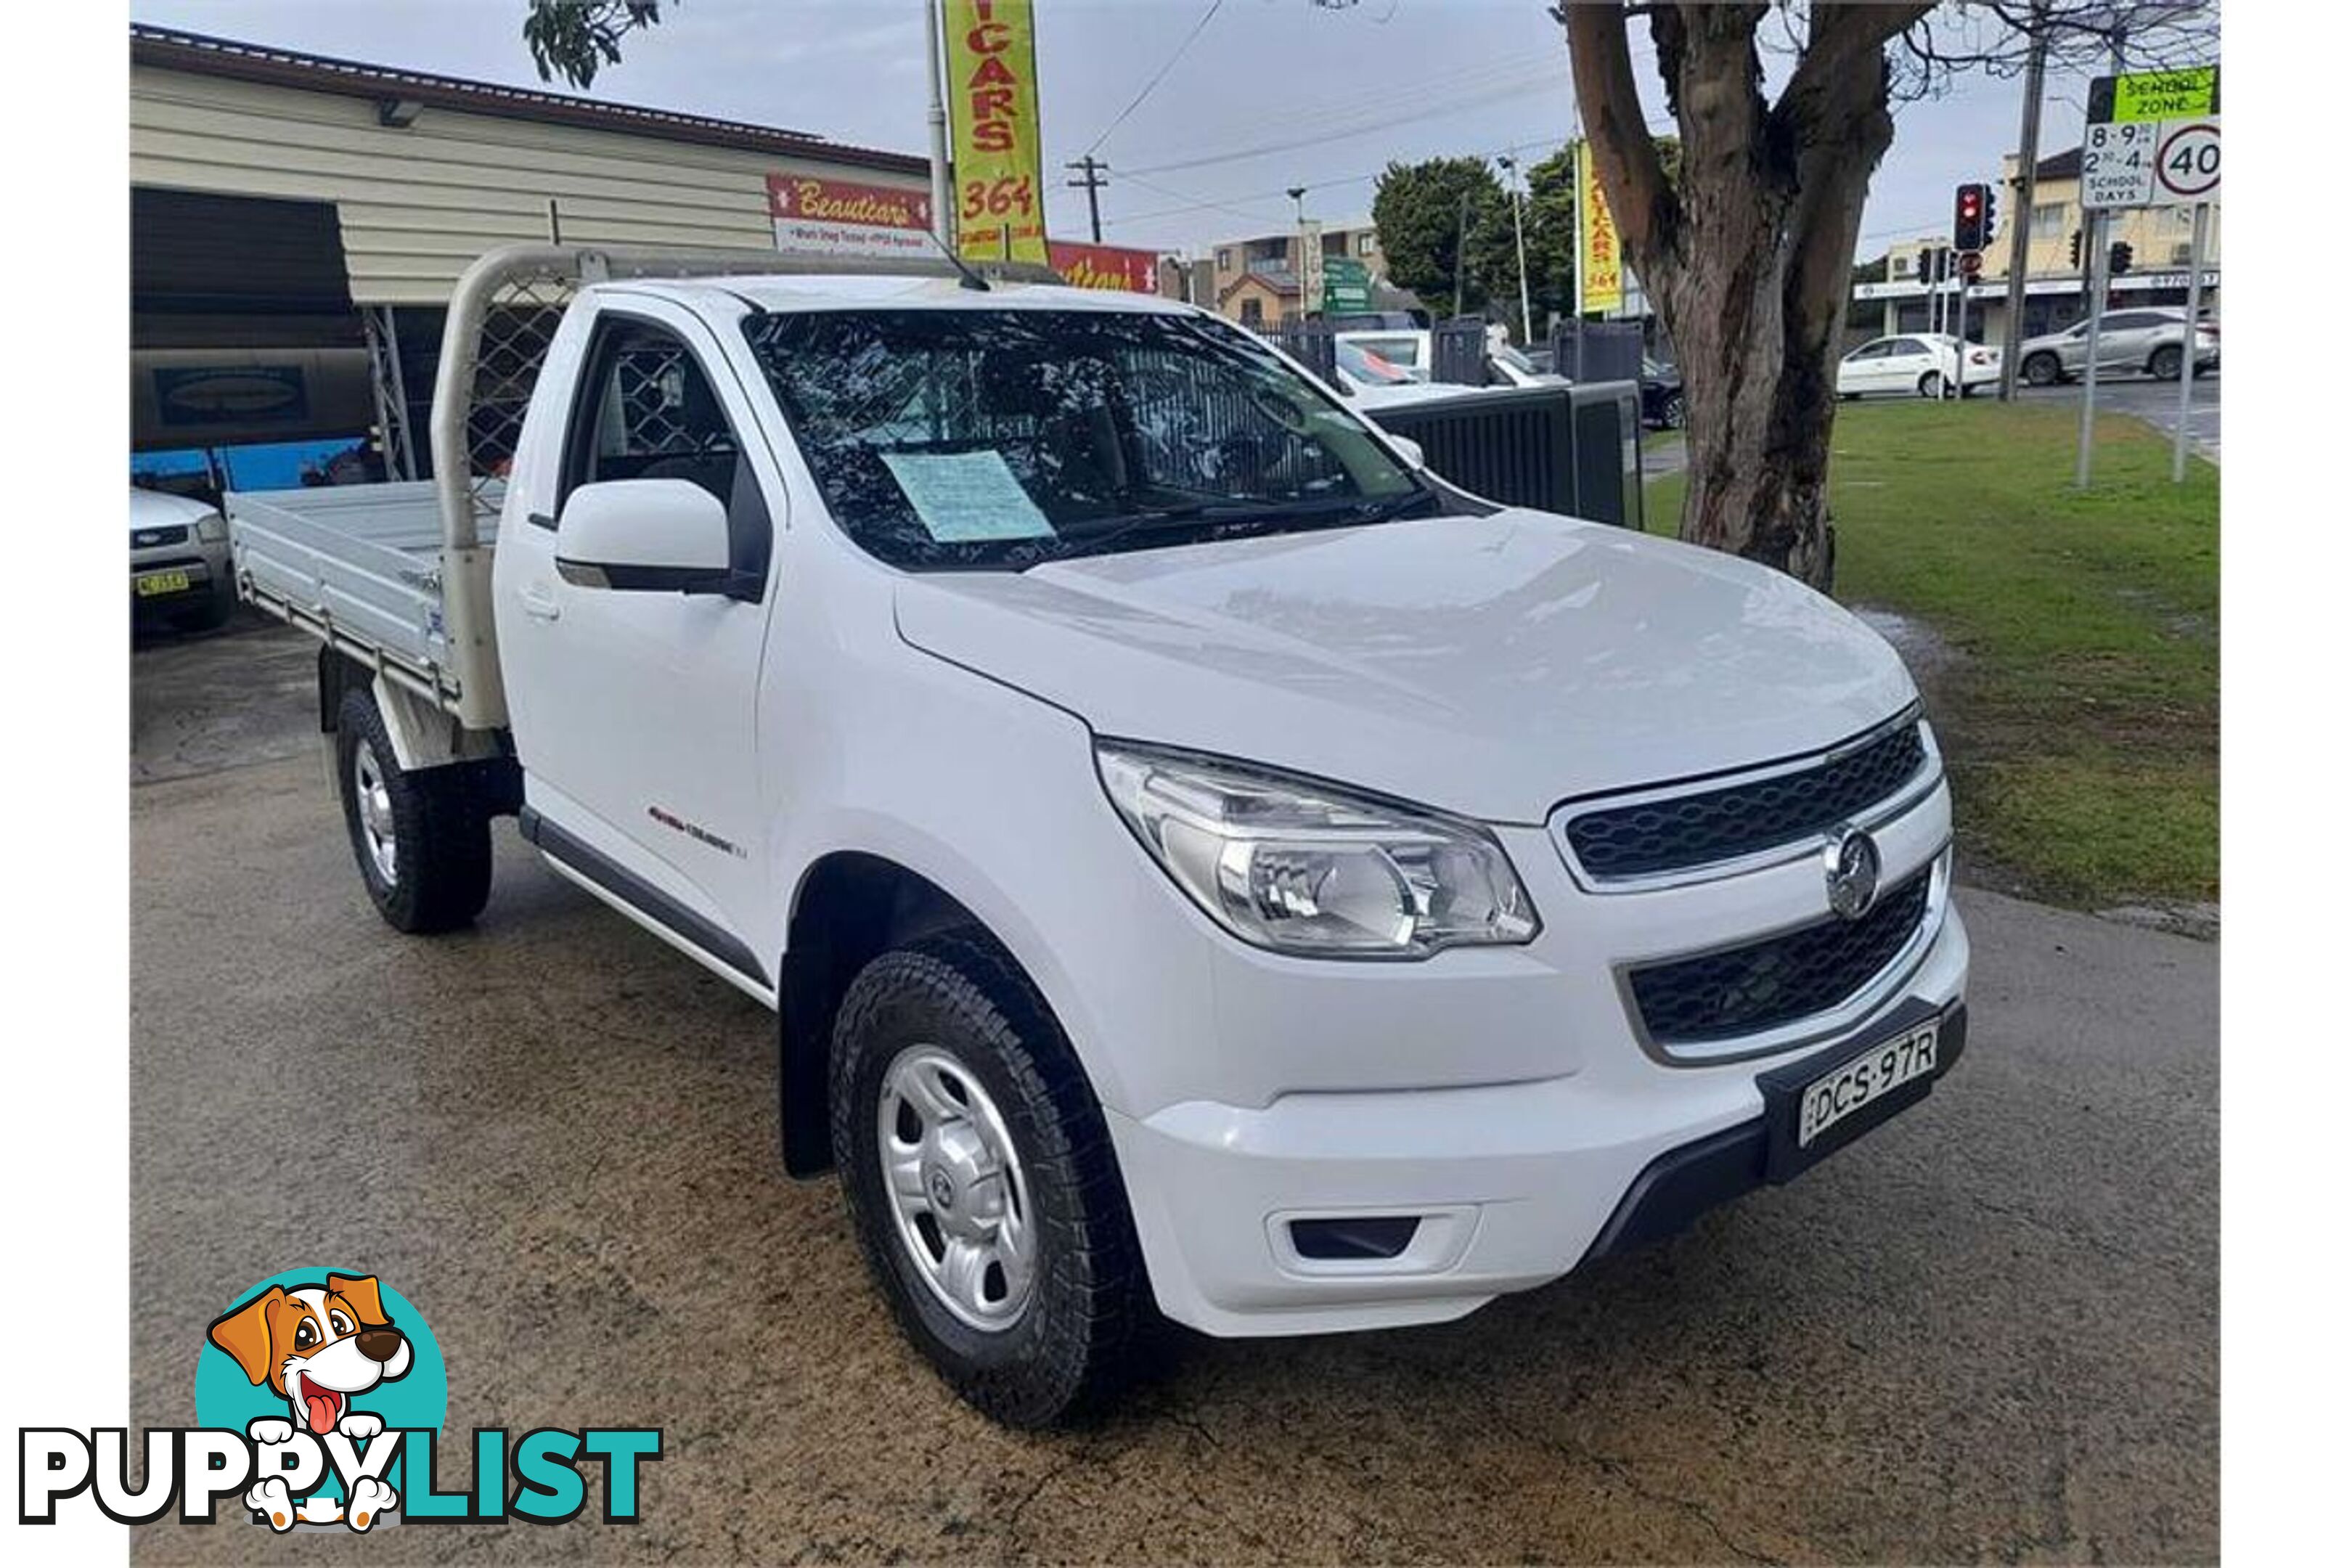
(1988, 1331)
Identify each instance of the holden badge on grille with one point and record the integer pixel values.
(1849, 865)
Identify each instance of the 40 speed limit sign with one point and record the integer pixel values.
(2188, 163)
(2152, 162)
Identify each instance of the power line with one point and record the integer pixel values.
(1156, 77)
(1443, 86)
(1384, 119)
(1198, 205)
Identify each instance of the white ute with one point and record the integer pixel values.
(1202, 861)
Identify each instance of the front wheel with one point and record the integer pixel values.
(2041, 370)
(422, 839)
(1671, 413)
(979, 1174)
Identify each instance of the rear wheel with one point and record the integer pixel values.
(422, 839)
(2165, 363)
(978, 1173)
(2041, 370)
(1932, 384)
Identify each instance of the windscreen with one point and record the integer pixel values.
(999, 438)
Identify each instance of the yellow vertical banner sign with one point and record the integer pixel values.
(1600, 266)
(991, 75)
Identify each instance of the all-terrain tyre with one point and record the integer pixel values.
(948, 1068)
(422, 839)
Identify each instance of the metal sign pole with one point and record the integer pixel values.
(2189, 344)
(2090, 348)
(1961, 353)
(2100, 229)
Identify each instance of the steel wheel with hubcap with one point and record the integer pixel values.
(956, 1187)
(1932, 384)
(978, 1168)
(377, 833)
(422, 837)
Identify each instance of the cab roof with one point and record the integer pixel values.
(815, 291)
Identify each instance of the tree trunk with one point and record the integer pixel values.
(1748, 252)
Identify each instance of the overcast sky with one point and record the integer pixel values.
(1269, 94)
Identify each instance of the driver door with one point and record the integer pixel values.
(636, 710)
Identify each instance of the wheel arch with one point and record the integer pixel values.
(850, 907)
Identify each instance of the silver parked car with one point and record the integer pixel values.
(2147, 338)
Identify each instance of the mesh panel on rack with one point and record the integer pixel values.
(516, 331)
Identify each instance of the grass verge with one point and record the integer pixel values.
(2080, 704)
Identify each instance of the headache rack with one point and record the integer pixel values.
(397, 576)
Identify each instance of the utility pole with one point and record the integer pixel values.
(1519, 239)
(1298, 195)
(2021, 212)
(1461, 249)
(934, 63)
(1095, 176)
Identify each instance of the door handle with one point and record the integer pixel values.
(539, 602)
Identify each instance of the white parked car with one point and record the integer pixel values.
(179, 560)
(1927, 364)
(1205, 865)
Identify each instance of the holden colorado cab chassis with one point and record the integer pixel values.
(1206, 866)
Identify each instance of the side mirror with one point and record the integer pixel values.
(649, 535)
(1410, 450)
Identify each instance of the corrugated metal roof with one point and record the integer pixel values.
(171, 49)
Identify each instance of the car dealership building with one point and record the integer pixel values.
(297, 223)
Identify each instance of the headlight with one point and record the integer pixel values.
(1302, 868)
(212, 528)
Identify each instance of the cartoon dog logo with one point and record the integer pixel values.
(316, 1346)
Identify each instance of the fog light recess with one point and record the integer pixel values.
(1353, 1236)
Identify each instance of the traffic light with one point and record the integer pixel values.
(2120, 258)
(2075, 248)
(1926, 265)
(1969, 218)
(1991, 214)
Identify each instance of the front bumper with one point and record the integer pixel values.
(1514, 1182)
(205, 569)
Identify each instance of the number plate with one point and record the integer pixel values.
(154, 582)
(1864, 1079)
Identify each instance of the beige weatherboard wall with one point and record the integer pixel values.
(417, 202)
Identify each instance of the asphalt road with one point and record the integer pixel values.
(1988, 1331)
(2155, 403)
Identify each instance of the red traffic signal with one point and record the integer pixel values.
(1968, 203)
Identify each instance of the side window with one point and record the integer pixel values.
(646, 410)
(1904, 346)
(1878, 350)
